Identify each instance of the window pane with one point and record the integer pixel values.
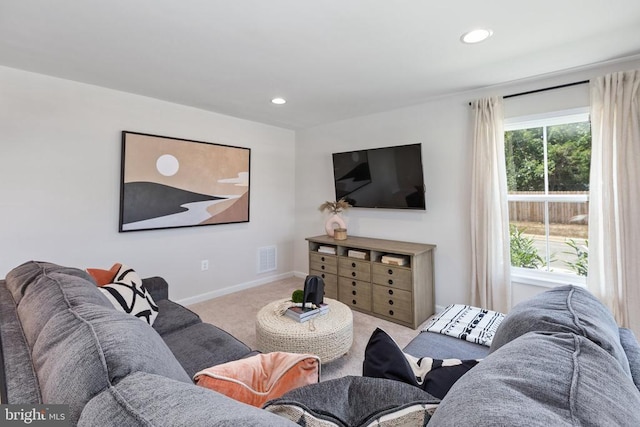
(565, 250)
(548, 164)
(568, 232)
(524, 153)
(569, 156)
(527, 235)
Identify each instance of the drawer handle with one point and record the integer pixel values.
(353, 292)
(391, 312)
(390, 282)
(353, 283)
(390, 271)
(322, 258)
(353, 264)
(353, 274)
(354, 302)
(322, 275)
(322, 267)
(390, 302)
(390, 291)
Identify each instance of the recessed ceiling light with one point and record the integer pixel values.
(279, 101)
(476, 36)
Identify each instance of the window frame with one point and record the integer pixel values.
(534, 277)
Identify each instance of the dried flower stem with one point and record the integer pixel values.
(334, 207)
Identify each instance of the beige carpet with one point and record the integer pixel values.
(235, 313)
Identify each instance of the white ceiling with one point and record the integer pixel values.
(331, 59)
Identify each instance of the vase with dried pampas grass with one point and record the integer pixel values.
(335, 225)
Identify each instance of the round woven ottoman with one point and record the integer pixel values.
(328, 336)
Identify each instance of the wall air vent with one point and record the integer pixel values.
(267, 259)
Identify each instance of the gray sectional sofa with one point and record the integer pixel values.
(63, 342)
(558, 359)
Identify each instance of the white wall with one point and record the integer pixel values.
(443, 127)
(60, 172)
(446, 166)
(59, 186)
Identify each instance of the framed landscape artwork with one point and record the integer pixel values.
(170, 182)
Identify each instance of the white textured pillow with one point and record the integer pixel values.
(128, 294)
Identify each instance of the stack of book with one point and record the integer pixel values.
(395, 260)
(331, 250)
(358, 254)
(303, 314)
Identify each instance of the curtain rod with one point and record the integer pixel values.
(544, 89)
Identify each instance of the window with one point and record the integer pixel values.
(548, 160)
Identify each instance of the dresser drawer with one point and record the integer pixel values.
(392, 275)
(322, 262)
(358, 295)
(354, 269)
(330, 283)
(354, 284)
(393, 303)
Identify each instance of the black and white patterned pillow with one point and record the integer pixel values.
(384, 359)
(128, 294)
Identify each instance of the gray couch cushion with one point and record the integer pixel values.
(564, 309)
(356, 401)
(632, 349)
(21, 381)
(173, 317)
(20, 278)
(129, 345)
(81, 351)
(69, 364)
(146, 399)
(559, 379)
(52, 293)
(203, 345)
(439, 346)
(157, 287)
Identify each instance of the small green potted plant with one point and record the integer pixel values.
(297, 296)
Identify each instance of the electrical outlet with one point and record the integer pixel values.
(204, 264)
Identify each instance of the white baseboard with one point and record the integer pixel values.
(235, 288)
(300, 274)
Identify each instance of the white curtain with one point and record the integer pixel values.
(490, 262)
(614, 196)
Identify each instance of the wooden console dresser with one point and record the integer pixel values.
(400, 290)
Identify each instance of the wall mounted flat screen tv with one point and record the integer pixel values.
(389, 177)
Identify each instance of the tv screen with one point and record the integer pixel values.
(389, 177)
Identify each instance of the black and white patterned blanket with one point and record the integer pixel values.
(468, 323)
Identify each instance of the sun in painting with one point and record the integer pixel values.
(167, 165)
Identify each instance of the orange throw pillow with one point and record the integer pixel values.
(260, 378)
(104, 277)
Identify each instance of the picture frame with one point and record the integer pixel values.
(171, 182)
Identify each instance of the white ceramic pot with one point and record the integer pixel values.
(333, 222)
